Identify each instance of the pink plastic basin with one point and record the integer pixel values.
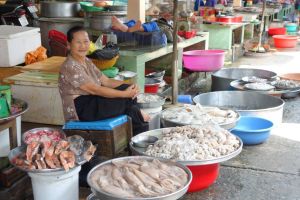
(285, 41)
(204, 60)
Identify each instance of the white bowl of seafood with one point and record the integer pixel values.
(49, 150)
(139, 178)
(199, 115)
(149, 100)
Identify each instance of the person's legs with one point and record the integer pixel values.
(150, 27)
(93, 108)
(137, 27)
(118, 25)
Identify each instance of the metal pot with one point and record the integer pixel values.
(101, 21)
(221, 79)
(59, 24)
(246, 103)
(59, 9)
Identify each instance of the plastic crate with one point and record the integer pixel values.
(141, 40)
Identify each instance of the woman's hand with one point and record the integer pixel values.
(132, 91)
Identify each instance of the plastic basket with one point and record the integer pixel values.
(89, 7)
(105, 64)
(120, 2)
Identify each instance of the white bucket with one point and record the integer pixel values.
(154, 113)
(56, 185)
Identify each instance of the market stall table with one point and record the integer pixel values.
(10, 123)
(136, 60)
(222, 34)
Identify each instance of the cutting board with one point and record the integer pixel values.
(34, 77)
(50, 65)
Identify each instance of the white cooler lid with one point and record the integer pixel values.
(9, 32)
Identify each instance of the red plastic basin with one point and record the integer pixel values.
(285, 41)
(151, 85)
(204, 60)
(203, 176)
(277, 31)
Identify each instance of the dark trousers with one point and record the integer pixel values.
(93, 108)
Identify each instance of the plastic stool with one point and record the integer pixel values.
(111, 135)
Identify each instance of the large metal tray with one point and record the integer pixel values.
(105, 196)
(21, 149)
(169, 123)
(158, 133)
(15, 115)
(285, 93)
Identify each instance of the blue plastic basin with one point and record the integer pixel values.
(253, 130)
(291, 27)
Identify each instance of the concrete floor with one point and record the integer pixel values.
(269, 171)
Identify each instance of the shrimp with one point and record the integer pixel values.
(67, 159)
(31, 150)
(61, 146)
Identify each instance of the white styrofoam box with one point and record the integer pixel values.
(15, 42)
(44, 102)
(4, 139)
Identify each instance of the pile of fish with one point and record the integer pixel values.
(192, 143)
(196, 114)
(286, 84)
(139, 178)
(45, 153)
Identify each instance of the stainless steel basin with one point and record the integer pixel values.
(246, 103)
(221, 79)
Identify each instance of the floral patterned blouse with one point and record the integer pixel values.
(72, 75)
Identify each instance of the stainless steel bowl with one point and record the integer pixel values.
(105, 196)
(117, 8)
(246, 103)
(101, 21)
(158, 133)
(221, 79)
(143, 141)
(169, 123)
(15, 115)
(35, 130)
(22, 149)
(59, 9)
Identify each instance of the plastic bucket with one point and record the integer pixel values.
(187, 99)
(203, 176)
(56, 185)
(204, 60)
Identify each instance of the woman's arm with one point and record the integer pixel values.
(104, 91)
(108, 82)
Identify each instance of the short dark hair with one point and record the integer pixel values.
(71, 31)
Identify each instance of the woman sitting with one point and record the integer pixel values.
(88, 95)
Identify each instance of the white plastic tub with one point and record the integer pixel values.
(15, 42)
(154, 114)
(56, 185)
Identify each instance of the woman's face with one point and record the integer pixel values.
(80, 44)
